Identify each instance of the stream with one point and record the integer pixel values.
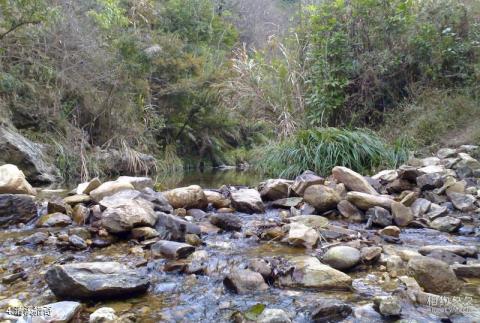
(176, 297)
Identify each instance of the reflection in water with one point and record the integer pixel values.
(209, 178)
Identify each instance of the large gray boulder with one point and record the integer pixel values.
(433, 275)
(352, 180)
(27, 155)
(303, 181)
(128, 215)
(309, 272)
(16, 208)
(191, 197)
(342, 257)
(172, 227)
(247, 200)
(95, 280)
(13, 181)
(321, 197)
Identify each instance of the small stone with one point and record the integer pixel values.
(446, 256)
(462, 202)
(77, 242)
(227, 222)
(54, 220)
(321, 197)
(274, 189)
(144, 233)
(446, 153)
(388, 305)
(350, 211)
(301, 235)
(103, 315)
(391, 231)
(330, 310)
(303, 181)
(420, 207)
(379, 216)
(273, 315)
(402, 215)
(172, 249)
(468, 270)
(193, 239)
(247, 201)
(446, 224)
(34, 239)
(464, 251)
(244, 281)
(342, 257)
(78, 198)
(370, 254)
(80, 214)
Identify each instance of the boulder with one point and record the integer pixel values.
(191, 197)
(447, 257)
(420, 207)
(159, 201)
(446, 153)
(77, 199)
(379, 216)
(60, 312)
(370, 254)
(103, 315)
(218, 200)
(172, 227)
(28, 156)
(80, 214)
(430, 181)
(247, 200)
(303, 181)
(54, 220)
(350, 211)
(468, 271)
(312, 221)
(402, 215)
(227, 222)
(108, 189)
(95, 280)
(244, 281)
(34, 239)
(56, 204)
(386, 176)
(301, 235)
(309, 272)
(172, 249)
(128, 215)
(288, 202)
(464, 251)
(434, 275)
(330, 310)
(87, 187)
(342, 257)
(16, 208)
(321, 197)
(13, 181)
(462, 202)
(446, 224)
(366, 201)
(138, 183)
(274, 189)
(352, 180)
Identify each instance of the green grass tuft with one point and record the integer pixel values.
(321, 149)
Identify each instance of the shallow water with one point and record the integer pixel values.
(175, 297)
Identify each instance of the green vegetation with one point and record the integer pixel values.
(324, 148)
(175, 79)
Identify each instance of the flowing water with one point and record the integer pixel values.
(176, 297)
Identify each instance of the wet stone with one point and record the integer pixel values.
(243, 281)
(227, 222)
(342, 257)
(172, 249)
(77, 242)
(34, 239)
(379, 216)
(330, 310)
(388, 305)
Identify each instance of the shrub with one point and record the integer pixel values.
(321, 149)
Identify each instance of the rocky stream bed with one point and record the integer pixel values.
(400, 246)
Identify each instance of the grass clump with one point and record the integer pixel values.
(321, 149)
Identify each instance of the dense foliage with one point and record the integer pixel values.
(205, 81)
